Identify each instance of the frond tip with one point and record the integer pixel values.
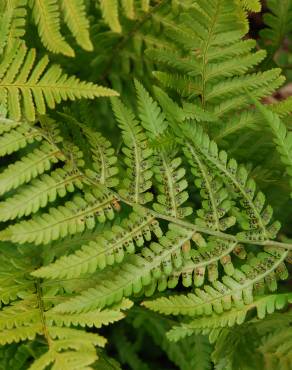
(27, 87)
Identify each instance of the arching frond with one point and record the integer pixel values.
(135, 273)
(108, 248)
(74, 217)
(27, 86)
(236, 316)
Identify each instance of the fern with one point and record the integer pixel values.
(236, 316)
(176, 198)
(28, 88)
(110, 11)
(258, 331)
(278, 22)
(216, 74)
(283, 139)
(191, 353)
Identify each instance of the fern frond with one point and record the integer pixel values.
(5, 19)
(129, 8)
(282, 138)
(138, 156)
(128, 354)
(215, 197)
(106, 363)
(96, 318)
(30, 198)
(192, 353)
(77, 21)
(19, 334)
(30, 166)
(46, 15)
(14, 15)
(276, 349)
(70, 219)
(18, 138)
(211, 64)
(26, 87)
(7, 125)
(136, 272)
(110, 12)
(72, 349)
(257, 216)
(108, 248)
(17, 315)
(13, 280)
(283, 108)
(278, 22)
(203, 264)
(151, 116)
(232, 291)
(236, 316)
(251, 5)
(234, 349)
(171, 184)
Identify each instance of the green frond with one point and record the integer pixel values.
(5, 19)
(29, 167)
(257, 216)
(27, 87)
(110, 12)
(77, 21)
(112, 9)
(106, 363)
(7, 125)
(74, 217)
(96, 318)
(151, 116)
(251, 5)
(233, 349)
(171, 184)
(175, 115)
(13, 277)
(282, 138)
(104, 159)
(14, 356)
(30, 198)
(204, 262)
(127, 353)
(129, 8)
(235, 316)
(216, 201)
(71, 350)
(192, 353)
(211, 64)
(135, 273)
(283, 108)
(20, 334)
(108, 248)
(138, 156)
(14, 16)
(19, 138)
(276, 349)
(18, 314)
(233, 291)
(278, 21)
(46, 15)
(171, 194)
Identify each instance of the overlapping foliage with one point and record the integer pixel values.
(144, 202)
